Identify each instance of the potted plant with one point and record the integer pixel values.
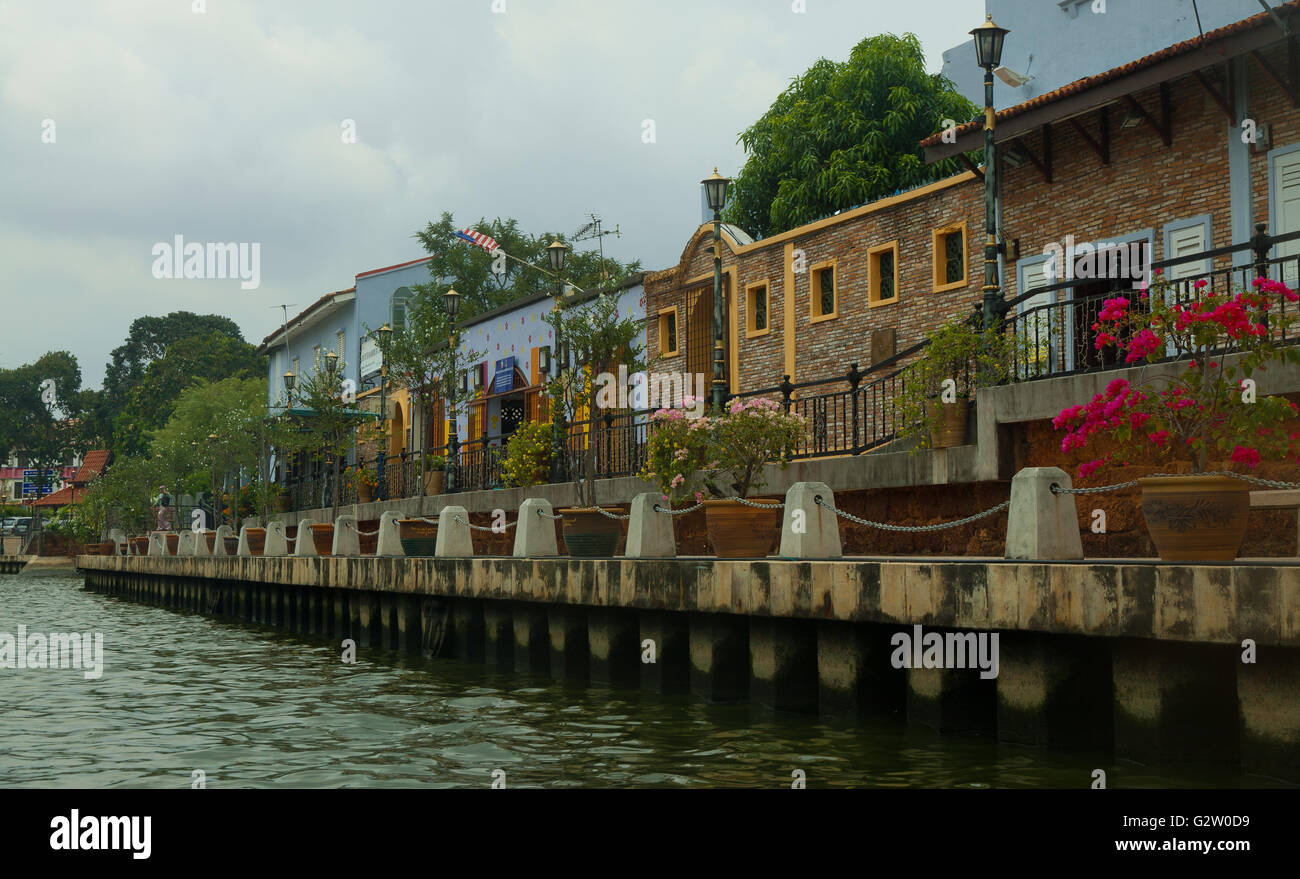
(599, 342)
(435, 474)
(322, 537)
(933, 403)
(419, 537)
(278, 497)
(528, 455)
(365, 480)
(1194, 412)
(725, 455)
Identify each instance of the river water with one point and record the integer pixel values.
(252, 707)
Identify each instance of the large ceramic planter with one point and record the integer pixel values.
(256, 540)
(211, 538)
(952, 421)
(365, 494)
(231, 544)
(322, 537)
(739, 531)
(1195, 518)
(367, 544)
(124, 548)
(434, 482)
(139, 545)
(589, 534)
(419, 538)
(173, 543)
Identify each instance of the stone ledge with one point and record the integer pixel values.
(1219, 604)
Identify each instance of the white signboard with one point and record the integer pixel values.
(372, 358)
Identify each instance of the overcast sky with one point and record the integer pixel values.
(227, 125)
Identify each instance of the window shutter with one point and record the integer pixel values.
(1185, 242)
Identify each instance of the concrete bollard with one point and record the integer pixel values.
(118, 537)
(1041, 524)
(200, 544)
(649, 533)
(277, 543)
(219, 545)
(243, 540)
(186, 545)
(809, 530)
(346, 540)
(157, 543)
(304, 546)
(453, 534)
(390, 538)
(535, 533)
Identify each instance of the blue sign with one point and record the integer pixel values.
(503, 380)
(29, 489)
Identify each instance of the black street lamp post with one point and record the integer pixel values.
(383, 334)
(557, 252)
(451, 300)
(715, 191)
(988, 54)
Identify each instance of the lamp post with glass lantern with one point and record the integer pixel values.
(715, 192)
(988, 54)
(451, 302)
(383, 335)
(557, 252)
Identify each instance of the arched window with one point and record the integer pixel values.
(397, 315)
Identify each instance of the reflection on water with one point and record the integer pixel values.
(256, 708)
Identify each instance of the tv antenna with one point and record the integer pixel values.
(594, 230)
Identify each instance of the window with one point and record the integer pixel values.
(821, 291)
(882, 275)
(397, 315)
(668, 332)
(1186, 238)
(756, 309)
(950, 257)
(338, 345)
(316, 357)
(297, 370)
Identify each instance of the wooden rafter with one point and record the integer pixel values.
(1164, 127)
(1043, 163)
(1100, 145)
(1222, 98)
(965, 160)
(1290, 85)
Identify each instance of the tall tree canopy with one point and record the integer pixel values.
(470, 269)
(38, 411)
(149, 339)
(844, 134)
(211, 356)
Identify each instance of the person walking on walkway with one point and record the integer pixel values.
(163, 505)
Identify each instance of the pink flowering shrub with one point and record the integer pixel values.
(1205, 409)
(721, 454)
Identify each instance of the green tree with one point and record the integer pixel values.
(843, 134)
(150, 338)
(39, 412)
(471, 270)
(190, 360)
(329, 426)
(419, 358)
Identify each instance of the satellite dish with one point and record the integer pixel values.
(1011, 78)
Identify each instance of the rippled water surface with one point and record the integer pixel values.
(253, 707)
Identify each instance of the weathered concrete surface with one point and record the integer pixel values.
(1219, 604)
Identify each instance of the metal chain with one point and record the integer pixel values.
(913, 528)
(756, 506)
(486, 527)
(545, 515)
(1271, 483)
(681, 512)
(353, 526)
(600, 510)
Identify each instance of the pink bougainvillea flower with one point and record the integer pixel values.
(1245, 455)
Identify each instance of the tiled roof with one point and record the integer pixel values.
(91, 465)
(70, 495)
(300, 316)
(1088, 82)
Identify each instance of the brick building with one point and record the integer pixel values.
(1154, 154)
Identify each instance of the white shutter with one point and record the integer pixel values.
(339, 346)
(1036, 330)
(1185, 242)
(1286, 198)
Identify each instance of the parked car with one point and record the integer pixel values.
(7, 525)
(23, 525)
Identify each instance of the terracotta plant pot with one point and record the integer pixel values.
(365, 494)
(173, 543)
(435, 481)
(139, 545)
(124, 548)
(419, 538)
(231, 544)
(367, 544)
(211, 538)
(590, 535)
(1195, 518)
(738, 531)
(322, 535)
(256, 540)
(953, 419)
